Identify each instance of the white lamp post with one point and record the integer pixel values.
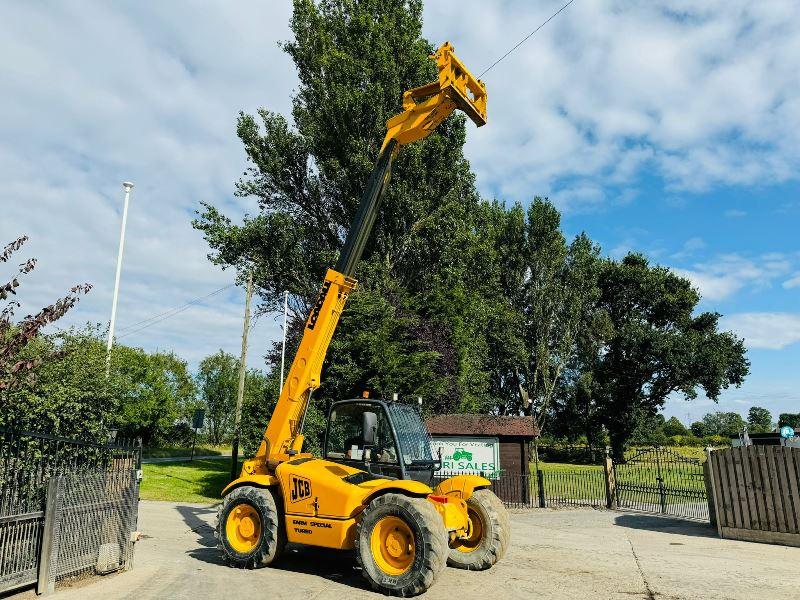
(127, 185)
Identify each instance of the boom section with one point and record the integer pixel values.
(283, 437)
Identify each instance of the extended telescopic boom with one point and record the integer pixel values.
(423, 109)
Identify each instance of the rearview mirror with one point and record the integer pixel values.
(369, 424)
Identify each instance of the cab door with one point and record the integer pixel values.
(344, 441)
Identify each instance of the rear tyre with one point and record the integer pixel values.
(250, 532)
(401, 544)
(488, 535)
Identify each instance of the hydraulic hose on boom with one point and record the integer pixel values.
(424, 108)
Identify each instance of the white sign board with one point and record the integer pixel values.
(468, 455)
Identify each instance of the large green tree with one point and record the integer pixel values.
(759, 419)
(217, 383)
(153, 392)
(426, 279)
(552, 286)
(658, 346)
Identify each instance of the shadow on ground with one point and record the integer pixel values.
(333, 565)
(666, 525)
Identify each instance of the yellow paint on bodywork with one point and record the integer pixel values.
(461, 486)
(318, 488)
(262, 481)
(453, 512)
(328, 533)
(425, 107)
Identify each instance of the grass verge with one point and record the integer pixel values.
(187, 481)
(170, 452)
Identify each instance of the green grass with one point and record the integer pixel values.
(201, 450)
(563, 467)
(188, 481)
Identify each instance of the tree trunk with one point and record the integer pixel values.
(617, 442)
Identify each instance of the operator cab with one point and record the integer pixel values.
(386, 439)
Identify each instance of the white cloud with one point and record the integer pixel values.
(772, 331)
(792, 282)
(96, 93)
(690, 247)
(730, 273)
(698, 93)
(735, 213)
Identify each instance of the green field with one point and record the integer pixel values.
(170, 452)
(189, 481)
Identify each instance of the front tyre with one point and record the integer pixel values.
(401, 544)
(250, 532)
(488, 534)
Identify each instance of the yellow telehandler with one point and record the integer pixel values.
(370, 492)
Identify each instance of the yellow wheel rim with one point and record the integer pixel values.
(243, 528)
(392, 545)
(474, 533)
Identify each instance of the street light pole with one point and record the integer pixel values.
(128, 186)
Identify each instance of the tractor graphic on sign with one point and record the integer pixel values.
(460, 453)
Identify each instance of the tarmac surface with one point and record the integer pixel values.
(577, 553)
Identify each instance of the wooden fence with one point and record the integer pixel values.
(756, 493)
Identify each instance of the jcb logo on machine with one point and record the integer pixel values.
(312, 318)
(299, 488)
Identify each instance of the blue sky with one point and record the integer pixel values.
(668, 128)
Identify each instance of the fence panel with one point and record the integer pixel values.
(27, 463)
(660, 481)
(757, 493)
(575, 487)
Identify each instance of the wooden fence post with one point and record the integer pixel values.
(611, 484)
(52, 515)
(708, 476)
(540, 480)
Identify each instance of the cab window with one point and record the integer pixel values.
(345, 439)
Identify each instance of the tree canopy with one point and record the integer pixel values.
(475, 305)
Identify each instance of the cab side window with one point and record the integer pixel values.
(346, 438)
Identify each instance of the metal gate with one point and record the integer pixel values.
(48, 483)
(659, 481)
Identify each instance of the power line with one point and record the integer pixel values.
(525, 39)
(163, 316)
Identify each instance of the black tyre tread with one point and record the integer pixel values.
(493, 547)
(273, 533)
(433, 533)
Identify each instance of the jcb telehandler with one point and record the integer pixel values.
(370, 491)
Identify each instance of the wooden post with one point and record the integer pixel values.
(708, 476)
(611, 484)
(242, 371)
(52, 516)
(540, 481)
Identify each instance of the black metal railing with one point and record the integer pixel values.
(660, 481)
(28, 463)
(579, 487)
(573, 487)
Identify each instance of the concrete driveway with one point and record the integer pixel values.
(554, 554)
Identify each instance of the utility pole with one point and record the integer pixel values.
(242, 369)
(128, 187)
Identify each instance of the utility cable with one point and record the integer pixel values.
(525, 39)
(163, 316)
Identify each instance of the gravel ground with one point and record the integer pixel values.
(591, 554)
